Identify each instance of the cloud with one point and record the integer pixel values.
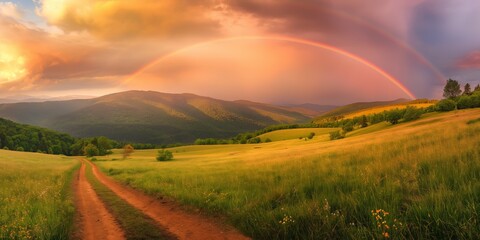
(125, 19)
(9, 9)
(472, 60)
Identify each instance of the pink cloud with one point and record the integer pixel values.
(472, 60)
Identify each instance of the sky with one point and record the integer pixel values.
(272, 51)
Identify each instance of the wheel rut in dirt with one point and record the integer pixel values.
(182, 224)
(93, 219)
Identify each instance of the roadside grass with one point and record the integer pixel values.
(287, 134)
(36, 199)
(408, 181)
(135, 224)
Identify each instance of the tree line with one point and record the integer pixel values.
(21, 137)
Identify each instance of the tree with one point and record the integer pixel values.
(467, 90)
(393, 116)
(90, 150)
(465, 102)
(446, 105)
(363, 121)
(451, 89)
(164, 155)
(127, 151)
(412, 113)
(477, 88)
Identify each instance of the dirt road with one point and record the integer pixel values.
(178, 222)
(94, 220)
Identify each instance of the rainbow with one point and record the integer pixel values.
(336, 50)
(438, 75)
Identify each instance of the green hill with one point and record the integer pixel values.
(152, 117)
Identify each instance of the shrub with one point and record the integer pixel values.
(446, 105)
(127, 151)
(465, 102)
(255, 140)
(20, 149)
(268, 140)
(393, 116)
(412, 113)
(311, 135)
(337, 135)
(164, 155)
(90, 150)
(348, 127)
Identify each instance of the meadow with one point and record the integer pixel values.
(287, 134)
(36, 199)
(417, 180)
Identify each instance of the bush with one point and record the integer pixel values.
(255, 140)
(412, 113)
(446, 105)
(20, 149)
(348, 127)
(90, 150)
(268, 140)
(311, 135)
(164, 155)
(393, 116)
(337, 135)
(464, 102)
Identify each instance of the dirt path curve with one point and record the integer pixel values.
(176, 221)
(95, 220)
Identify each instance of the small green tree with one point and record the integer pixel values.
(451, 89)
(337, 135)
(467, 90)
(412, 113)
(164, 155)
(446, 105)
(477, 88)
(127, 151)
(90, 150)
(363, 121)
(394, 116)
(348, 127)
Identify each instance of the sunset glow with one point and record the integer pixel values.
(308, 49)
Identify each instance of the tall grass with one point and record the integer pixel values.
(35, 196)
(415, 180)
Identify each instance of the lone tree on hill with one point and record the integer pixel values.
(467, 90)
(451, 89)
(477, 88)
(127, 150)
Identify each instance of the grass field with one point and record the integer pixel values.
(287, 134)
(35, 195)
(415, 180)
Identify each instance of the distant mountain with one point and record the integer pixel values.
(151, 117)
(350, 108)
(26, 98)
(311, 109)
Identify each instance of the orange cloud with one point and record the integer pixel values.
(9, 9)
(124, 19)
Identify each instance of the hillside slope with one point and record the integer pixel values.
(354, 107)
(153, 117)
